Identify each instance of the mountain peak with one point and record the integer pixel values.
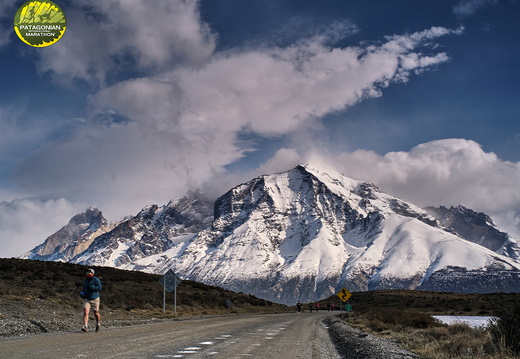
(72, 238)
(476, 227)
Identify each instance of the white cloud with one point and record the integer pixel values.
(25, 223)
(468, 7)
(283, 159)
(275, 91)
(134, 35)
(191, 117)
(444, 172)
(119, 169)
(181, 128)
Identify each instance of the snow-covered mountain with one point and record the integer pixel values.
(476, 227)
(303, 235)
(151, 232)
(73, 238)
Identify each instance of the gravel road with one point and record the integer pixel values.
(269, 336)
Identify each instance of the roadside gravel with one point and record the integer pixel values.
(354, 344)
(36, 316)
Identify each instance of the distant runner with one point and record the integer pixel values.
(91, 287)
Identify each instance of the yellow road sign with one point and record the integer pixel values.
(344, 294)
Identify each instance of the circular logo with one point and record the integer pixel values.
(40, 23)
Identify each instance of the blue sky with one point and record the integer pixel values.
(141, 101)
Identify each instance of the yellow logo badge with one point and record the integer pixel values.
(40, 23)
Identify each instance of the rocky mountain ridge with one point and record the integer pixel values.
(73, 238)
(476, 227)
(304, 234)
(152, 231)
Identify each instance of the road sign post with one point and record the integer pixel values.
(170, 281)
(343, 295)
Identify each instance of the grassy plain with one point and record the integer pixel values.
(406, 317)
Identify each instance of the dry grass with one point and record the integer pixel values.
(405, 316)
(418, 332)
(435, 303)
(125, 293)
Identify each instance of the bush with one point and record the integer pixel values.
(401, 318)
(463, 342)
(506, 330)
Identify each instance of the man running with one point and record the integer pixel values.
(91, 287)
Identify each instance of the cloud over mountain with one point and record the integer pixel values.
(457, 168)
(182, 120)
(167, 109)
(123, 37)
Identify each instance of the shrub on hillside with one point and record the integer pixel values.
(382, 318)
(505, 330)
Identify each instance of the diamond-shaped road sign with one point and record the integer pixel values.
(170, 281)
(344, 294)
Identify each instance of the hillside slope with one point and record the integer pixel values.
(42, 296)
